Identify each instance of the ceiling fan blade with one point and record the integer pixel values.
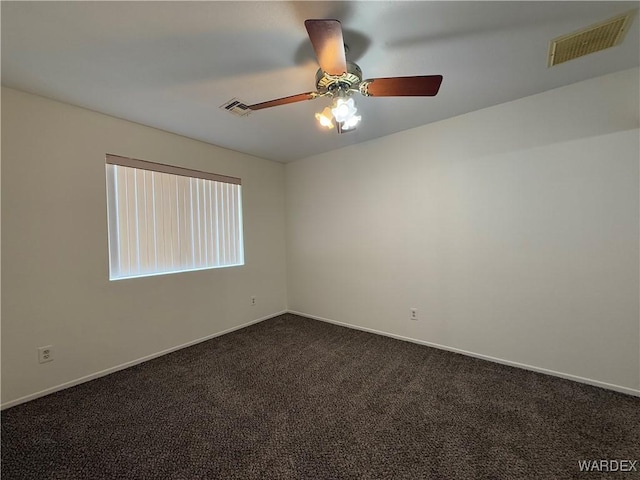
(326, 38)
(420, 86)
(284, 101)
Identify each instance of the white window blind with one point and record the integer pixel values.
(164, 219)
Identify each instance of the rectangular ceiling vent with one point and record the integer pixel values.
(589, 40)
(236, 107)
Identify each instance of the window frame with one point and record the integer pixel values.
(235, 241)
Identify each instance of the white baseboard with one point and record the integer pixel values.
(122, 366)
(588, 381)
(102, 373)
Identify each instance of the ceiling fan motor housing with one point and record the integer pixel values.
(333, 84)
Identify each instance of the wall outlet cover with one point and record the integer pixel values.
(45, 354)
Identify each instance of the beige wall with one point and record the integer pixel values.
(56, 289)
(513, 230)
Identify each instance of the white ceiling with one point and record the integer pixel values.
(170, 65)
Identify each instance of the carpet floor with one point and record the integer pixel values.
(294, 398)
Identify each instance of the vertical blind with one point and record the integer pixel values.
(165, 219)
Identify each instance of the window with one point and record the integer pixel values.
(165, 219)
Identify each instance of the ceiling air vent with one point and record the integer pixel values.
(588, 40)
(236, 107)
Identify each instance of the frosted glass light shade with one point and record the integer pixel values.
(351, 122)
(325, 117)
(344, 109)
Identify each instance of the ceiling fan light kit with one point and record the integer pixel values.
(339, 79)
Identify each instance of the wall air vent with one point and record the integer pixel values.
(236, 107)
(589, 40)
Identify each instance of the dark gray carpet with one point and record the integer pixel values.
(293, 398)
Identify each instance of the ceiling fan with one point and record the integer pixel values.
(339, 79)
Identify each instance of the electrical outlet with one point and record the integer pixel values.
(253, 301)
(414, 314)
(45, 354)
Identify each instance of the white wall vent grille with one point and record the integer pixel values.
(589, 40)
(236, 107)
